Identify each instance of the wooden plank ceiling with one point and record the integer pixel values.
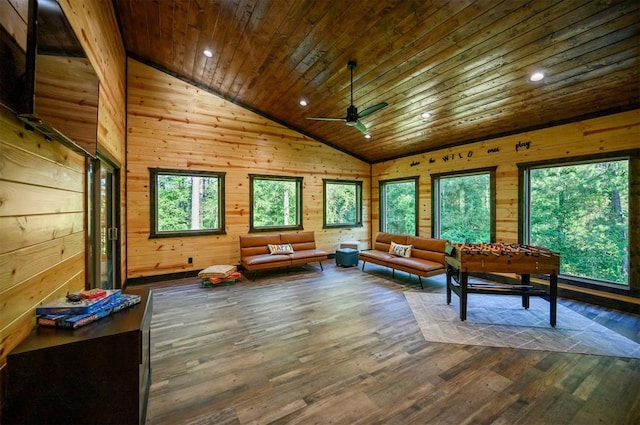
(465, 62)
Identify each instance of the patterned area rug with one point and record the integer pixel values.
(500, 321)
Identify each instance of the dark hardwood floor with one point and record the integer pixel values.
(342, 347)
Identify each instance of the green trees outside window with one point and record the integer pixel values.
(342, 203)
(464, 207)
(276, 203)
(582, 211)
(399, 206)
(186, 202)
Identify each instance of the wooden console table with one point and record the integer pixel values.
(99, 373)
(524, 260)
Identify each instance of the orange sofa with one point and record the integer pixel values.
(255, 254)
(426, 259)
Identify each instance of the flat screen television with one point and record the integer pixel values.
(59, 91)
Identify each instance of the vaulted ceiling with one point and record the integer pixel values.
(465, 62)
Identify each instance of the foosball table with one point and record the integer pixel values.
(523, 260)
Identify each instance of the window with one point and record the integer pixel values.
(276, 203)
(186, 203)
(464, 206)
(581, 210)
(399, 206)
(342, 203)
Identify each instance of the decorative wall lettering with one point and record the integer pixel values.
(414, 163)
(493, 150)
(431, 160)
(524, 145)
(453, 156)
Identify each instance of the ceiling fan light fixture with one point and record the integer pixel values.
(208, 53)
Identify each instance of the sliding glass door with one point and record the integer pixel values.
(103, 225)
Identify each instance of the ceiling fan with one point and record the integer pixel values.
(353, 117)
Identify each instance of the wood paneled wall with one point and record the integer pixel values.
(42, 226)
(617, 132)
(42, 184)
(172, 124)
(94, 23)
(68, 106)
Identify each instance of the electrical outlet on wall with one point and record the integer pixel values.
(190, 260)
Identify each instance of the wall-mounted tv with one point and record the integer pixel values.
(61, 87)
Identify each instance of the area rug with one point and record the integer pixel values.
(500, 321)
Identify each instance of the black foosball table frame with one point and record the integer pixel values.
(523, 260)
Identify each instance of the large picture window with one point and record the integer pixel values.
(342, 203)
(276, 203)
(186, 203)
(464, 206)
(399, 206)
(581, 210)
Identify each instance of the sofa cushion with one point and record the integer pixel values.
(256, 244)
(308, 256)
(284, 248)
(376, 255)
(300, 241)
(299, 237)
(425, 266)
(400, 250)
(276, 260)
(308, 253)
(383, 240)
(428, 249)
(259, 240)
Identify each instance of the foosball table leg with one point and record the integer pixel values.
(553, 298)
(449, 285)
(464, 281)
(525, 279)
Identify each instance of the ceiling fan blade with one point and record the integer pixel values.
(361, 127)
(325, 119)
(371, 109)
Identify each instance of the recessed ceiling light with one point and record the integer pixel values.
(536, 76)
(303, 102)
(207, 53)
(367, 136)
(425, 115)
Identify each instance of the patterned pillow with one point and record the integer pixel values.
(400, 250)
(284, 248)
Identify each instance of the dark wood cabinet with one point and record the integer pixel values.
(99, 373)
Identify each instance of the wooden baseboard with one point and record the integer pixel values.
(132, 281)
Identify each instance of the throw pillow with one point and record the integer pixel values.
(284, 248)
(400, 250)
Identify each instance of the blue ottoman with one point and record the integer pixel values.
(346, 257)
